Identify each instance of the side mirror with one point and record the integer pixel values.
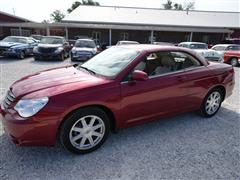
(139, 76)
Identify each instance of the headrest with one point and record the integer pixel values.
(167, 61)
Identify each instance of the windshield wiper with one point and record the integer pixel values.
(89, 70)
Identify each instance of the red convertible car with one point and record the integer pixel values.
(120, 87)
(232, 57)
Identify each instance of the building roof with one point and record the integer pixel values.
(153, 17)
(6, 17)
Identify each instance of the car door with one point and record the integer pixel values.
(31, 45)
(162, 94)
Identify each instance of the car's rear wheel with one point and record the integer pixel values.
(85, 130)
(234, 62)
(21, 55)
(211, 103)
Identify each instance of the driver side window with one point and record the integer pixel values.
(160, 63)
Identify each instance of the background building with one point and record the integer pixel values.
(111, 24)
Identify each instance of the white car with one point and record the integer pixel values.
(126, 43)
(202, 49)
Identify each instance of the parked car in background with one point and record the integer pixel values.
(202, 49)
(118, 88)
(83, 50)
(231, 41)
(17, 46)
(222, 48)
(126, 43)
(52, 47)
(232, 57)
(164, 43)
(37, 37)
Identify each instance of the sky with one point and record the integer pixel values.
(39, 10)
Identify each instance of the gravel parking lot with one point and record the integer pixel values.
(183, 147)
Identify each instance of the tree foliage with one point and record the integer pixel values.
(171, 5)
(57, 16)
(83, 2)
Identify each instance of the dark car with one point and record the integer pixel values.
(118, 88)
(52, 47)
(84, 49)
(17, 46)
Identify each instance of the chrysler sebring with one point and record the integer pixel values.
(120, 87)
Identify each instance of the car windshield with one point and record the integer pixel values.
(85, 43)
(234, 48)
(198, 46)
(51, 40)
(111, 62)
(15, 39)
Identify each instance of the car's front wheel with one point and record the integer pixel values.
(62, 56)
(234, 62)
(85, 130)
(212, 103)
(21, 55)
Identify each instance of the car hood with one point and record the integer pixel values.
(61, 79)
(10, 44)
(49, 45)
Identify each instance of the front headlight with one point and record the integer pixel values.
(35, 49)
(59, 49)
(12, 50)
(29, 107)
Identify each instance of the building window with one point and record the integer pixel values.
(96, 35)
(16, 32)
(124, 36)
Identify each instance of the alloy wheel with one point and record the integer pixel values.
(213, 102)
(234, 62)
(87, 132)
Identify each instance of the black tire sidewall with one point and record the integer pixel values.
(203, 111)
(21, 55)
(70, 121)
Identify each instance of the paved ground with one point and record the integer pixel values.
(182, 147)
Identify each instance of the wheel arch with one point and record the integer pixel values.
(221, 88)
(108, 111)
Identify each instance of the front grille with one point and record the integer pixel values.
(46, 50)
(213, 58)
(8, 100)
(86, 53)
(3, 49)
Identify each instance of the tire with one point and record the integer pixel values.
(234, 62)
(211, 103)
(62, 56)
(36, 58)
(85, 130)
(21, 55)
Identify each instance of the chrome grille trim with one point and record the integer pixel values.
(9, 98)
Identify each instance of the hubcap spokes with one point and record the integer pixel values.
(213, 103)
(87, 132)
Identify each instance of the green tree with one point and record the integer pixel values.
(57, 16)
(83, 2)
(170, 5)
(177, 6)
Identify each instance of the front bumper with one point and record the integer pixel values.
(53, 55)
(80, 57)
(34, 131)
(9, 53)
